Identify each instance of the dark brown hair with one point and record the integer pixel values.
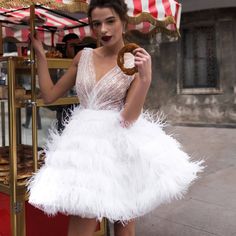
(119, 7)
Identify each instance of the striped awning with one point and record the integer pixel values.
(152, 16)
(51, 24)
(146, 16)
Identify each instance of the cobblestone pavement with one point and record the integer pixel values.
(209, 208)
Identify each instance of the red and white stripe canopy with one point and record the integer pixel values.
(52, 31)
(158, 14)
(144, 15)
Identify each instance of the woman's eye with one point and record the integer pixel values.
(110, 21)
(95, 24)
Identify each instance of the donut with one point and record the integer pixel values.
(130, 47)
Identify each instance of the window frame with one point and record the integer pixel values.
(204, 90)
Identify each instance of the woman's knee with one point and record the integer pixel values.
(124, 230)
(81, 226)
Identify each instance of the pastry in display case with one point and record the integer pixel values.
(24, 164)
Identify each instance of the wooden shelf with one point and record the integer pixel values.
(24, 62)
(40, 103)
(4, 188)
(21, 189)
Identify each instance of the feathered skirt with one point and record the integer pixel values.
(96, 168)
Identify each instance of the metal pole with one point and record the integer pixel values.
(13, 146)
(1, 40)
(33, 92)
(3, 123)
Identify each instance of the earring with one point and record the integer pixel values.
(124, 29)
(124, 36)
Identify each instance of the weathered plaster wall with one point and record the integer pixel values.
(193, 5)
(196, 109)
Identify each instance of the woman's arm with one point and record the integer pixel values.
(49, 91)
(138, 90)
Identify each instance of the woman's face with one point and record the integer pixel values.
(107, 26)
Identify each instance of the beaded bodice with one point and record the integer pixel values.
(106, 94)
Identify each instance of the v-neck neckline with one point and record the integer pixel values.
(97, 81)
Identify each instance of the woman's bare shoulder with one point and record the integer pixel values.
(77, 58)
(79, 55)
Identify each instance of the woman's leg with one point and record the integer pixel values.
(81, 226)
(124, 230)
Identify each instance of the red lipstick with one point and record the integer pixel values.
(106, 38)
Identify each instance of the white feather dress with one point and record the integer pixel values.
(96, 168)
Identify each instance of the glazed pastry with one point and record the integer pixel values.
(54, 54)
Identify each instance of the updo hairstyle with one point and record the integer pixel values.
(119, 6)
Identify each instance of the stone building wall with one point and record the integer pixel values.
(217, 108)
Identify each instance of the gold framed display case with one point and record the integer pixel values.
(20, 147)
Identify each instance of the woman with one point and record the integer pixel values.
(110, 161)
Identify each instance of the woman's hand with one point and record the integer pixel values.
(139, 87)
(143, 62)
(37, 45)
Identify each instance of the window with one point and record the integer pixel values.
(199, 60)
